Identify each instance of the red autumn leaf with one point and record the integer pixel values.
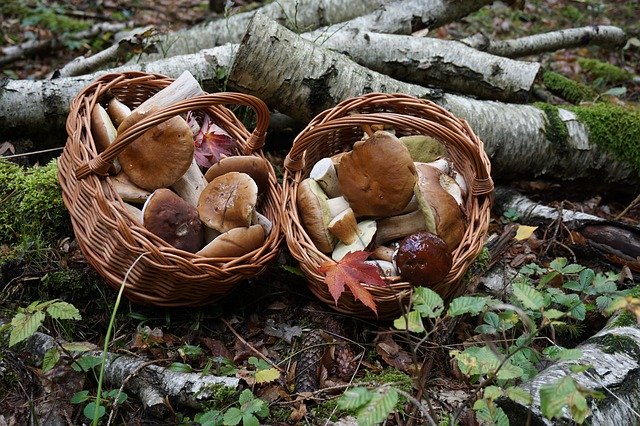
(212, 143)
(351, 271)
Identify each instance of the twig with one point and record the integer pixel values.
(626, 210)
(251, 347)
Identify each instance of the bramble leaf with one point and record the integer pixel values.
(352, 272)
(24, 325)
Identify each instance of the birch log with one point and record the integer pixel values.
(301, 79)
(150, 383)
(446, 64)
(613, 355)
(298, 15)
(599, 35)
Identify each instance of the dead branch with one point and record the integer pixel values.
(152, 384)
(599, 35)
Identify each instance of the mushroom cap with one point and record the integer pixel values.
(255, 167)
(117, 111)
(442, 212)
(235, 242)
(174, 220)
(314, 211)
(423, 259)
(159, 157)
(378, 175)
(228, 201)
(423, 148)
(102, 128)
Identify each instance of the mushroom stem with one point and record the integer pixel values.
(127, 190)
(324, 172)
(262, 220)
(117, 111)
(383, 253)
(394, 227)
(135, 212)
(190, 185)
(184, 87)
(385, 268)
(337, 205)
(365, 234)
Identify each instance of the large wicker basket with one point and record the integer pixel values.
(335, 130)
(113, 241)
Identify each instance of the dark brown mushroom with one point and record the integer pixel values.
(423, 259)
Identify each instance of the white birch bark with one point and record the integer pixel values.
(298, 15)
(447, 64)
(599, 35)
(150, 383)
(301, 79)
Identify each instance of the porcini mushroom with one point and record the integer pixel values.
(366, 231)
(316, 211)
(394, 227)
(235, 242)
(443, 214)
(117, 111)
(190, 185)
(324, 172)
(385, 268)
(377, 176)
(160, 156)
(228, 201)
(174, 220)
(344, 226)
(255, 167)
(423, 148)
(423, 259)
(104, 133)
(127, 190)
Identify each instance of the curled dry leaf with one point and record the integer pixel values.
(212, 143)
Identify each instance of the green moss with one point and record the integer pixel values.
(556, 130)
(613, 127)
(624, 319)
(612, 344)
(392, 376)
(567, 89)
(603, 71)
(221, 397)
(31, 206)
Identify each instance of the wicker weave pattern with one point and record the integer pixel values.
(118, 247)
(335, 130)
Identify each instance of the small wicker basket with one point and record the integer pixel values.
(334, 131)
(118, 246)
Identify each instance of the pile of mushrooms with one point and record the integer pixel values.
(211, 214)
(398, 198)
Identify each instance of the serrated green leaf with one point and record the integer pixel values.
(246, 396)
(354, 398)
(80, 397)
(579, 311)
(266, 376)
(209, 418)
(232, 416)
(579, 368)
(563, 393)
(85, 363)
(90, 410)
(249, 420)
(528, 296)
(467, 305)
(553, 314)
(427, 302)
(252, 406)
(63, 310)
(519, 395)
(180, 367)
(260, 364)
(24, 325)
(382, 403)
(50, 359)
(557, 353)
(412, 322)
(573, 285)
(492, 392)
(603, 302)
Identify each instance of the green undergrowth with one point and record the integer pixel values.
(570, 90)
(603, 72)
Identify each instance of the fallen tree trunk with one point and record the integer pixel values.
(301, 79)
(150, 383)
(612, 356)
(599, 35)
(446, 64)
(298, 15)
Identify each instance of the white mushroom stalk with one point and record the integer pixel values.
(395, 227)
(365, 233)
(324, 172)
(191, 184)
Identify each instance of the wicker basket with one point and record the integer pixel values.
(118, 246)
(335, 130)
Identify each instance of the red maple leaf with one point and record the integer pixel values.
(353, 272)
(211, 143)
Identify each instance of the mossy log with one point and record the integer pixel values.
(301, 79)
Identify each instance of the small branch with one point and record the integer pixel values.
(251, 348)
(599, 35)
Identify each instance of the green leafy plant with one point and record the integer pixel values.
(510, 215)
(371, 407)
(249, 412)
(111, 397)
(28, 320)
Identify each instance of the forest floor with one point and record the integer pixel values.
(265, 321)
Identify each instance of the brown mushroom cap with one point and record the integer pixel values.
(378, 175)
(174, 220)
(102, 128)
(442, 212)
(235, 242)
(423, 259)
(159, 157)
(255, 167)
(228, 201)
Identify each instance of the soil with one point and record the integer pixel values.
(268, 317)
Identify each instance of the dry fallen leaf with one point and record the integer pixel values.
(351, 271)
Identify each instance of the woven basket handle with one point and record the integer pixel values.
(471, 145)
(100, 164)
